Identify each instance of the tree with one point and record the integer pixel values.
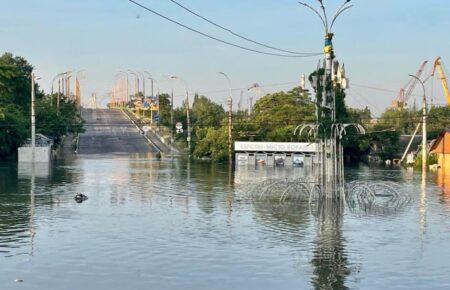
(164, 109)
(438, 120)
(13, 129)
(402, 120)
(276, 115)
(206, 113)
(212, 143)
(15, 91)
(15, 80)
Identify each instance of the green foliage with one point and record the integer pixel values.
(438, 119)
(431, 159)
(15, 80)
(54, 125)
(275, 116)
(206, 113)
(212, 143)
(15, 92)
(401, 120)
(324, 114)
(207, 137)
(164, 109)
(389, 142)
(354, 143)
(13, 129)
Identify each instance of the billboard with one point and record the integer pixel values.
(274, 147)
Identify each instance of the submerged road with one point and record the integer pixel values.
(110, 131)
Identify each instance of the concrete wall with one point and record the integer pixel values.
(42, 154)
(270, 159)
(288, 161)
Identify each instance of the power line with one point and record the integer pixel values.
(240, 89)
(215, 38)
(365, 99)
(237, 34)
(375, 88)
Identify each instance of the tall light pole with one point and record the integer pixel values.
(136, 83)
(68, 86)
(58, 76)
(78, 77)
(127, 89)
(187, 113)
(328, 50)
(143, 83)
(171, 115)
(33, 119)
(53, 81)
(424, 124)
(64, 85)
(149, 76)
(230, 119)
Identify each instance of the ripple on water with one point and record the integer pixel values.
(154, 224)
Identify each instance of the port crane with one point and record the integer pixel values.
(405, 92)
(438, 66)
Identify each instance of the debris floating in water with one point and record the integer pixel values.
(79, 197)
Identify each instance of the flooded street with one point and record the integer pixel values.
(150, 224)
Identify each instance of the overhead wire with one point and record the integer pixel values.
(375, 108)
(237, 34)
(218, 39)
(240, 89)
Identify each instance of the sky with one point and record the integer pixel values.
(380, 42)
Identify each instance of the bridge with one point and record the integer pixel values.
(111, 131)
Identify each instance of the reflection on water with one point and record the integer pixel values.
(443, 181)
(330, 258)
(178, 225)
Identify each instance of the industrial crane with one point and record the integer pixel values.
(405, 93)
(442, 78)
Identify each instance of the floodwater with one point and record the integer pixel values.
(152, 224)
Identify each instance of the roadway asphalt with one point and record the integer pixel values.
(109, 131)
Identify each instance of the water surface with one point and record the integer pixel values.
(152, 224)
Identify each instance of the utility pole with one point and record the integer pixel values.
(136, 83)
(143, 84)
(424, 124)
(58, 96)
(68, 87)
(230, 119)
(171, 123)
(424, 131)
(159, 109)
(230, 129)
(63, 86)
(149, 76)
(33, 121)
(188, 124)
(173, 77)
(127, 91)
